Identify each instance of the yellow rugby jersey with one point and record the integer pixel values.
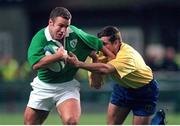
(132, 72)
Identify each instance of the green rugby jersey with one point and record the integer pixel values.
(76, 41)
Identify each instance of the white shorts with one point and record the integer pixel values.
(44, 95)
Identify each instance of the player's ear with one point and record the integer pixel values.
(116, 42)
(50, 22)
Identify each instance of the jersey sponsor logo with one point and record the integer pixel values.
(73, 43)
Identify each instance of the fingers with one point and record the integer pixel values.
(71, 54)
(97, 86)
(72, 59)
(62, 52)
(61, 49)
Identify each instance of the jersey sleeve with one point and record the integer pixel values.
(90, 40)
(123, 65)
(35, 50)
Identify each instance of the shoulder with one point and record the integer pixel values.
(75, 30)
(126, 47)
(39, 39)
(125, 51)
(73, 27)
(39, 36)
(40, 32)
(88, 39)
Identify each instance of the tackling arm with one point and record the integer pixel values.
(96, 67)
(93, 67)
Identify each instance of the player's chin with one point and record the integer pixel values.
(59, 37)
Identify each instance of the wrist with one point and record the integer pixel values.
(64, 57)
(79, 64)
(95, 60)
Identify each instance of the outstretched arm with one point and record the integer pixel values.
(93, 67)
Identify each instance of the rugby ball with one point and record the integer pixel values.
(56, 66)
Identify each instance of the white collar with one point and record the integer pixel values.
(69, 30)
(49, 37)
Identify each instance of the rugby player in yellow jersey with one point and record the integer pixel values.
(134, 89)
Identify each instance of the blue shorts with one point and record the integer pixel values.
(142, 101)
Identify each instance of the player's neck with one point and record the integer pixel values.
(61, 41)
(118, 48)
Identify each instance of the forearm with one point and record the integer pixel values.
(47, 60)
(95, 67)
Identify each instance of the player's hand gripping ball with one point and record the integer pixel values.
(56, 66)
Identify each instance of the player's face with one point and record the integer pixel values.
(107, 43)
(58, 27)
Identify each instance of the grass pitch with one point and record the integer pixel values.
(86, 119)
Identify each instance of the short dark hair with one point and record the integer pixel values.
(111, 31)
(60, 11)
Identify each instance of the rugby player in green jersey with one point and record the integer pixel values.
(55, 84)
(134, 87)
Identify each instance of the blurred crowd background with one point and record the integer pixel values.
(150, 26)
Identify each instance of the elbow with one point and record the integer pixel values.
(111, 58)
(106, 69)
(36, 66)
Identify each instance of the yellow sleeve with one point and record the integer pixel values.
(124, 64)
